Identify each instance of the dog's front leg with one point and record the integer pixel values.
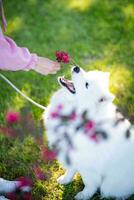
(91, 181)
(67, 177)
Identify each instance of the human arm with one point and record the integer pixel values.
(14, 58)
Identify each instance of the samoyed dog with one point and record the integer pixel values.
(106, 164)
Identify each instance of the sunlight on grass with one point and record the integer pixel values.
(96, 64)
(14, 25)
(129, 10)
(80, 4)
(121, 85)
(120, 78)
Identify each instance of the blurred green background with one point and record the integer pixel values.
(98, 34)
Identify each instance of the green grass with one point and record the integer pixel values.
(98, 35)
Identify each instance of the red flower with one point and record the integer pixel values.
(59, 55)
(39, 174)
(48, 154)
(66, 58)
(62, 57)
(12, 117)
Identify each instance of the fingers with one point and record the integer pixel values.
(46, 66)
(54, 68)
(54, 71)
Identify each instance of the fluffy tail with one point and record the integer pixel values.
(22, 94)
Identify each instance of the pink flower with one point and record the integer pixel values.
(94, 138)
(39, 174)
(12, 117)
(24, 182)
(62, 57)
(73, 116)
(56, 113)
(48, 154)
(89, 131)
(89, 125)
(60, 107)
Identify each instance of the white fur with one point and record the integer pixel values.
(107, 165)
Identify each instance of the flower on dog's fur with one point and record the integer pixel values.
(62, 57)
(73, 116)
(54, 115)
(94, 138)
(89, 130)
(89, 125)
(60, 107)
(12, 117)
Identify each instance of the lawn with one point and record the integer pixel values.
(98, 35)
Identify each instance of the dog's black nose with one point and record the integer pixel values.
(76, 69)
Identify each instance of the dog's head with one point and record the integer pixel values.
(91, 89)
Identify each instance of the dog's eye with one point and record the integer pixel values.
(101, 99)
(87, 84)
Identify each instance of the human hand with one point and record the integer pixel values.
(46, 66)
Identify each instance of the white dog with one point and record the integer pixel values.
(106, 165)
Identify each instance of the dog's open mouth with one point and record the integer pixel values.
(68, 84)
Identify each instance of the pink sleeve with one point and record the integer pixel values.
(15, 58)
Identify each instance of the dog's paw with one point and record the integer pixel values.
(82, 196)
(63, 180)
